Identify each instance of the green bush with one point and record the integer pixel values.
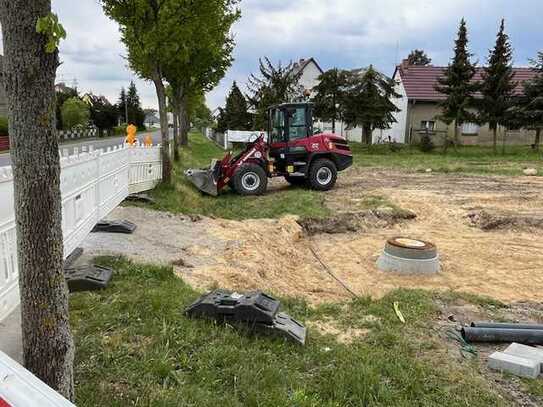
(74, 113)
(3, 126)
(120, 130)
(426, 145)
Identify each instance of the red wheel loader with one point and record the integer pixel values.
(292, 150)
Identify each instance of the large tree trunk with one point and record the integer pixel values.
(495, 139)
(165, 133)
(29, 71)
(367, 134)
(537, 140)
(175, 137)
(183, 119)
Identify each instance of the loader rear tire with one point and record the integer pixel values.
(250, 179)
(322, 174)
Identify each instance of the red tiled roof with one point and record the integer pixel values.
(420, 81)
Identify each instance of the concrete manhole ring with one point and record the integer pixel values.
(408, 248)
(409, 256)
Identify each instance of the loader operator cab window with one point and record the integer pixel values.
(277, 126)
(297, 123)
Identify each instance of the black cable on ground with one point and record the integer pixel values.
(330, 272)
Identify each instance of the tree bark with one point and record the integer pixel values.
(164, 131)
(503, 140)
(175, 136)
(367, 134)
(29, 74)
(183, 118)
(537, 138)
(495, 139)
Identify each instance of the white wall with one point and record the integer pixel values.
(398, 129)
(92, 184)
(310, 75)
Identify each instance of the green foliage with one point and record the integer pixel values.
(457, 84)
(426, 145)
(136, 115)
(329, 99)
(52, 29)
(275, 85)
(74, 113)
(4, 126)
(62, 96)
(498, 85)
(368, 102)
(136, 347)
(418, 57)
(528, 109)
(102, 113)
(235, 114)
(198, 112)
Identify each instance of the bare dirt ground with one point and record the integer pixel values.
(489, 232)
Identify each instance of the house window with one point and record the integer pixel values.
(470, 129)
(428, 125)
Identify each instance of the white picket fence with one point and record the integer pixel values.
(92, 185)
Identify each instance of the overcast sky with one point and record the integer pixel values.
(338, 33)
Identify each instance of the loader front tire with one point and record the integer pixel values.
(250, 179)
(322, 174)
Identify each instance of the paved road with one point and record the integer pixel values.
(5, 159)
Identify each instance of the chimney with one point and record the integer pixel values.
(405, 64)
(302, 60)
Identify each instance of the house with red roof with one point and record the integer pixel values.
(420, 109)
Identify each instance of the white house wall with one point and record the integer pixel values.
(92, 184)
(310, 75)
(398, 129)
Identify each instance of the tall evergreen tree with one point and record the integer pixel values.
(498, 85)
(458, 86)
(236, 115)
(330, 95)
(136, 115)
(418, 57)
(529, 108)
(122, 106)
(368, 102)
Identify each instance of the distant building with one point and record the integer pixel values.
(310, 72)
(420, 108)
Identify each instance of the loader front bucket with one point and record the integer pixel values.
(205, 179)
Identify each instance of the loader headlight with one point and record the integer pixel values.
(258, 154)
(331, 145)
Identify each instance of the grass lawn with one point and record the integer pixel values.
(136, 347)
(467, 160)
(182, 197)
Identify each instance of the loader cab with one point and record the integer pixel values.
(290, 122)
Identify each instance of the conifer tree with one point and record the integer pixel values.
(418, 57)
(458, 87)
(368, 102)
(330, 95)
(236, 115)
(498, 85)
(529, 108)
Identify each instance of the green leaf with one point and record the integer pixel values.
(52, 29)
